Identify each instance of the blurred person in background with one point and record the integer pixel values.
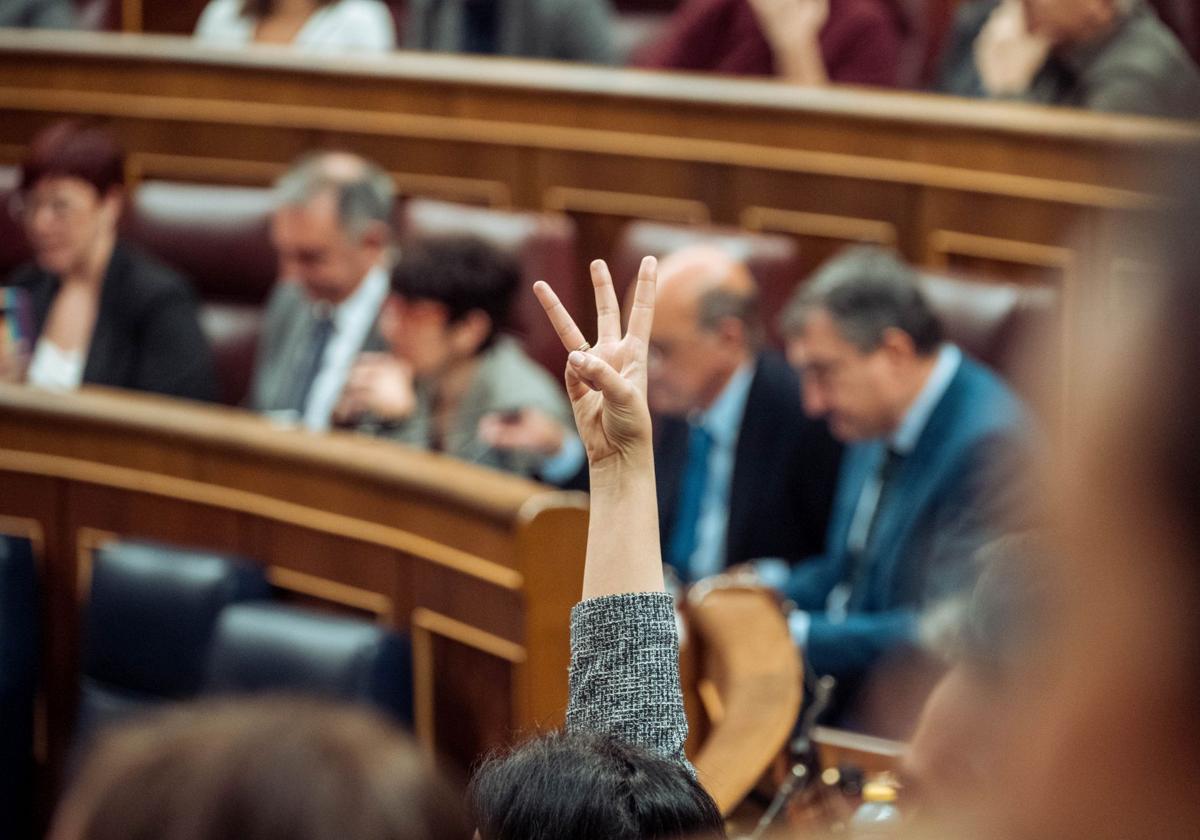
(40, 14)
(987, 637)
(327, 26)
(1102, 742)
(1103, 55)
(450, 364)
(104, 312)
(569, 30)
(332, 232)
(265, 769)
(808, 42)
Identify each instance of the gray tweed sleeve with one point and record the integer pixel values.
(624, 678)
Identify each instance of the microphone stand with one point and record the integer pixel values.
(804, 770)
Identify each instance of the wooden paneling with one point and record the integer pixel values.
(961, 184)
(481, 568)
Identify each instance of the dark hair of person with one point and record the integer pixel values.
(464, 274)
(588, 786)
(71, 149)
(866, 290)
(270, 768)
(259, 9)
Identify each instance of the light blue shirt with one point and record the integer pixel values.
(352, 320)
(723, 422)
(904, 439)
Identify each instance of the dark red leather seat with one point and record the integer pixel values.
(219, 238)
(13, 248)
(542, 243)
(774, 260)
(1183, 17)
(98, 15)
(1012, 328)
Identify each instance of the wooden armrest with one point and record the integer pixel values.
(749, 681)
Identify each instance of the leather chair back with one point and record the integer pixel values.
(1183, 18)
(542, 243)
(283, 649)
(149, 620)
(18, 667)
(98, 15)
(14, 250)
(999, 324)
(774, 260)
(219, 238)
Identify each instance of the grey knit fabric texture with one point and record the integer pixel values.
(624, 678)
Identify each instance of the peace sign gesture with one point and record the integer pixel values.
(607, 383)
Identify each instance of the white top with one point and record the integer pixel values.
(352, 320)
(344, 26)
(54, 368)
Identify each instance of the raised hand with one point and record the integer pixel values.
(793, 28)
(1007, 53)
(607, 382)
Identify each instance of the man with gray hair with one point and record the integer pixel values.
(332, 230)
(935, 446)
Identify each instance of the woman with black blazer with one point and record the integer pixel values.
(103, 312)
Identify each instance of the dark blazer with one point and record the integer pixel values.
(958, 489)
(147, 335)
(784, 474)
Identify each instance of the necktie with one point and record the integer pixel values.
(691, 496)
(852, 591)
(310, 366)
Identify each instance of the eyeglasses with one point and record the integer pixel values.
(25, 208)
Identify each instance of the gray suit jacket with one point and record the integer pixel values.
(1140, 68)
(506, 380)
(571, 30)
(46, 14)
(287, 325)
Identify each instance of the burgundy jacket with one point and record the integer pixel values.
(861, 42)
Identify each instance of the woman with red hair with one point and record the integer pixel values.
(103, 312)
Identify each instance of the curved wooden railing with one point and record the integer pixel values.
(480, 568)
(749, 684)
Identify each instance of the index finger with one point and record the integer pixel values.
(641, 318)
(568, 333)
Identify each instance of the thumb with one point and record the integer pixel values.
(600, 376)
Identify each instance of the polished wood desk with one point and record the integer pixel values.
(479, 568)
(1015, 191)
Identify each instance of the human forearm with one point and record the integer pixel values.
(623, 544)
(801, 61)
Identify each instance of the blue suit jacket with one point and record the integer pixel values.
(958, 489)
